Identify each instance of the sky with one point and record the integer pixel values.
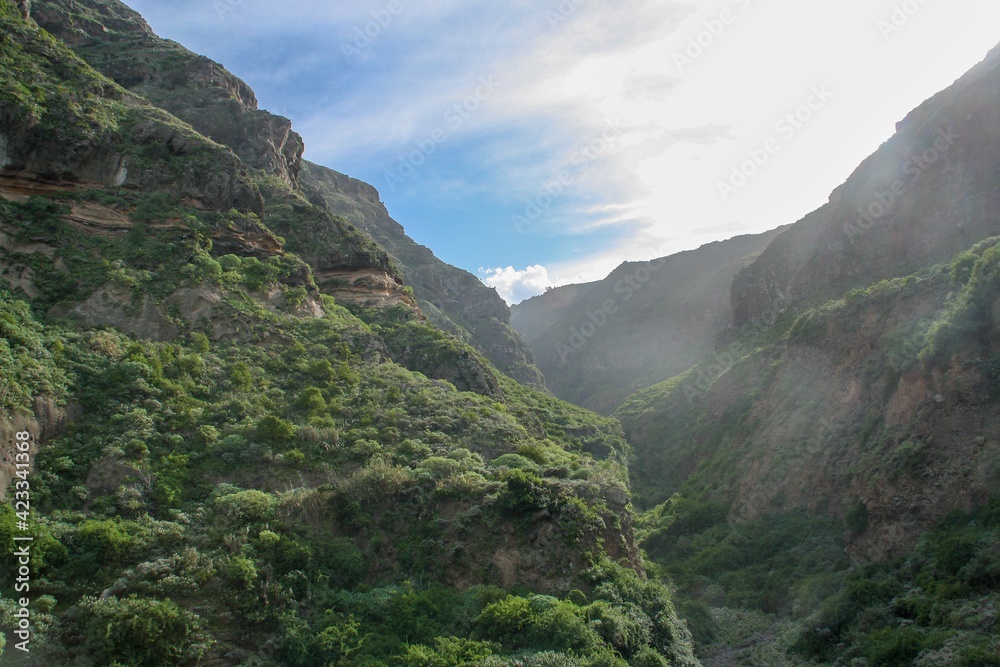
(541, 143)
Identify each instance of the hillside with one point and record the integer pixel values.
(648, 321)
(451, 298)
(247, 446)
(117, 42)
(928, 193)
(836, 460)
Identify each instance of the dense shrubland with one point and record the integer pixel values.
(287, 494)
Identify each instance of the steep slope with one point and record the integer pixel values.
(451, 298)
(929, 192)
(820, 378)
(227, 466)
(854, 410)
(854, 407)
(118, 42)
(600, 342)
(115, 40)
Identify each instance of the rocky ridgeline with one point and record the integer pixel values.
(926, 194)
(451, 298)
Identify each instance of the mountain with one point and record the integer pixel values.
(118, 42)
(928, 193)
(600, 342)
(835, 461)
(451, 298)
(228, 428)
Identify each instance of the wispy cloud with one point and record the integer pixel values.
(567, 68)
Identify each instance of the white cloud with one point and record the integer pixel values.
(683, 130)
(516, 286)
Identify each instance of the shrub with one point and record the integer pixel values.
(137, 632)
(447, 652)
(251, 505)
(105, 541)
(507, 620)
(275, 430)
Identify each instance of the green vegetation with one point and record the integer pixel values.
(782, 564)
(940, 602)
(748, 422)
(289, 492)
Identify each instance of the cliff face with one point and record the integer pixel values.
(927, 193)
(451, 298)
(600, 342)
(170, 122)
(862, 384)
(76, 125)
(120, 44)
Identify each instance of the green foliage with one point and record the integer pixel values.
(758, 565)
(106, 541)
(447, 652)
(275, 430)
(166, 489)
(856, 518)
(251, 505)
(28, 366)
(968, 319)
(136, 631)
(941, 592)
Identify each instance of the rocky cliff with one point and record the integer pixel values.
(170, 122)
(451, 298)
(929, 192)
(119, 43)
(860, 380)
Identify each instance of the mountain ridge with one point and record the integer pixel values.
(645, 322)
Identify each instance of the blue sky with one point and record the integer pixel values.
(542, 143)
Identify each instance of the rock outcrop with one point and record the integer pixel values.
(120, 44)
(451, 298)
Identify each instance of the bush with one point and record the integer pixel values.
(275, 430)
(108, 542)
(137, 632)
(447, 652)
(249, 505)
(506, 621)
